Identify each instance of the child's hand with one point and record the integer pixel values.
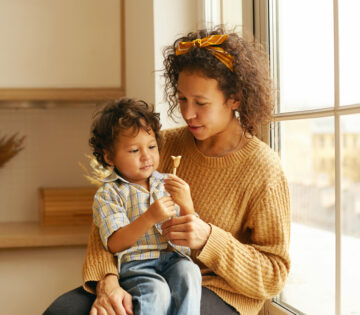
(180, 193)
(161, 209)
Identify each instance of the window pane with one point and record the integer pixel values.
(306, 54)
(307, 153)
(349, 26)
(350, 153)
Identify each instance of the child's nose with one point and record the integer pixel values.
(145, 154)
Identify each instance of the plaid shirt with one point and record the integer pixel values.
(119, 202)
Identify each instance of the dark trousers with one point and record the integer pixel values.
(78, 302)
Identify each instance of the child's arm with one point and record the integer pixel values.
(128, 235)
(180, 193)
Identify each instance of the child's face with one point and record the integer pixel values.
(203, 105)
(136, 155)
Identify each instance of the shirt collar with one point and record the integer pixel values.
(155, 176)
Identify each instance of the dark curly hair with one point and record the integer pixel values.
(119, 115)
(249, 82)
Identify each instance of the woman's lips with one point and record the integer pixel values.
(194, 128)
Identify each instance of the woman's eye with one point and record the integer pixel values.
(200, 104)
(181, 99)
(152, 147)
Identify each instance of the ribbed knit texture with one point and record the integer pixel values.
(244, 196)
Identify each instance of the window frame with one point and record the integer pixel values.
(269, 22)
(260, 18)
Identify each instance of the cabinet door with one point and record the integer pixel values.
(61, 50)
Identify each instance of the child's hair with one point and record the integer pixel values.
(117, 116)
(249, 82)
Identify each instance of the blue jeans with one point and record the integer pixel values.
(170, 284)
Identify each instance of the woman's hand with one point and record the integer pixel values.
(180, 193)
(111, 299)
(187, 230)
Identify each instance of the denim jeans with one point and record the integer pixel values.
(170, 284)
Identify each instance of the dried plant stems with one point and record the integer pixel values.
(98, 172)
(9, 147)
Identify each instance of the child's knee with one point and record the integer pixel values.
(196, 274)
(190, 272)
(195, 270)
(154, 298)
(161, 293)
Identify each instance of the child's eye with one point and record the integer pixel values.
(152, 147)
(134, 151)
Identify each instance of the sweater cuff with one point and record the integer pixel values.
(211, 248)
(91, 276)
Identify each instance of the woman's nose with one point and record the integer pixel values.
(188, 112)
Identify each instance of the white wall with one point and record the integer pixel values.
(56, 141)
(140, 76)
(71, 51)
(32, 278)
(171, 19)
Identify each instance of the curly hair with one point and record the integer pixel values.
(119, 115)
(249, 82)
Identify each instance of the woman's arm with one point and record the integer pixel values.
(98, 261)
(257, 269)
(188, 230)
(100, 274)
(111, 298)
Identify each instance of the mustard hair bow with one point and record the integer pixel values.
(210, 43)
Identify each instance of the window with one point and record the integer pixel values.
(316, 65)
(314, 57)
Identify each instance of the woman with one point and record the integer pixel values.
(221, 85)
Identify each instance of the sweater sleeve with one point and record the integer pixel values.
(98, 262)
(259, 268)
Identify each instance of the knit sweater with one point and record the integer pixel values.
(244, 197)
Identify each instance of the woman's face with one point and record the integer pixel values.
(203, 105)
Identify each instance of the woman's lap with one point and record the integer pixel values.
(74, 302)
(78, 302)
(212, 304)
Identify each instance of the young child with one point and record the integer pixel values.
(131, 205)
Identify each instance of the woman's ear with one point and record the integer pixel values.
(234, 103)
(107, 158)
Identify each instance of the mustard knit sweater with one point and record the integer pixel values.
(244, 196)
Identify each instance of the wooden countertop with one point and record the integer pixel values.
(31, 234)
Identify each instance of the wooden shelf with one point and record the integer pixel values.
(31, 234)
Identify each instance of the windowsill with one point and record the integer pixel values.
(32, 234)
